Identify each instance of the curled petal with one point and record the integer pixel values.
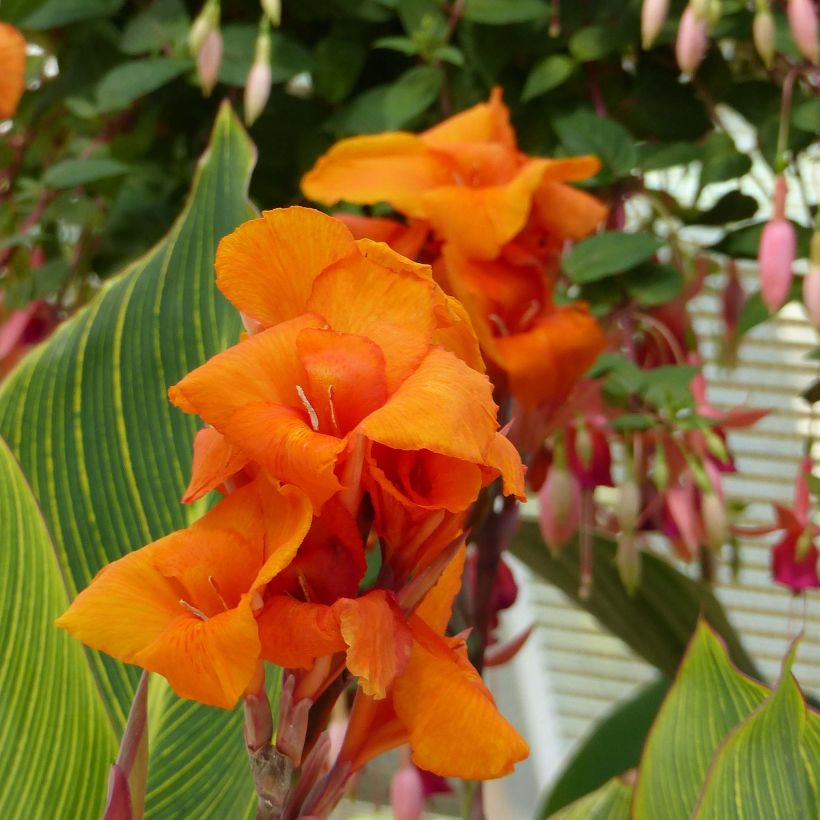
(215, 461)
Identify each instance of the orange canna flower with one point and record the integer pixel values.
(465, 176)
(543, 349)
(12, 69)
(438, 703)
(357, 345)
(185, 606)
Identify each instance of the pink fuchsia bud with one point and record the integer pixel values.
(692, 41)
(803, 24)
(778, 246)
(653, 16)
(258, 84)
(208, 60)
(763, 33)
(628, 506)
(560, 507)
(206, 21)
(407, 793)
(715, 522)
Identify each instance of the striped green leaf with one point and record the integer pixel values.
(610, 802)
(107, 458)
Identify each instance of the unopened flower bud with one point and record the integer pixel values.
(778, 246)
(628, 506)
(653, 16)
(208, 60)
(715, 523)
(273, 9)
(692, 41)
(803, 24)
(258, 84)
(560, 507)
(763, 34)
(715, 445)
(407, 793)
(660, 469)
(206, 21)
(628, 560)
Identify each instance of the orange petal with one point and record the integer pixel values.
(215, 461)
(545, 362)
(571, 169)
(568, 212)
(455, 727)
(408, 240)
(357, 294)
(372, 729)
(504, 458)
(480, 220)
(436, 607)
(377, 637)
(485, 122)
(458, 335)
(294, 634)
(443, 406)
(396, 168)
(267, 266)
(12, 69)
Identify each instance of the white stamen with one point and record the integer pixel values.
(499, 324)
(215, 588)
(333, 419)
(193, 610)
(314, 418)
(529, 314)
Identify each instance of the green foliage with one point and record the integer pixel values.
(610, 802)
(607, 253)
(106, 458)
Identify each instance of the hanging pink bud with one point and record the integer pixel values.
(803, 23)
(778, 246)
(763, 33)
(208, 60)
(206, 21)
(715, 522)
(407, 793)
(258, 84)
(653, 16)
(692, 41)
(560, 507)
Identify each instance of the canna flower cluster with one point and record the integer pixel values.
(353, 420)
(493, 223)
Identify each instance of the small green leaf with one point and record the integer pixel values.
(733, 206)
(72, 172)
(584, 132)
(721, 160)
(500, 12)
(338, 62)
(610, 802)
(631, 422)
(669, 385)
(653, 284)
(592, 43)
(707, 700)
(129, 81)
(55, 13)
(547, 74)
(161, 25)
(401, 44)
(608, 253)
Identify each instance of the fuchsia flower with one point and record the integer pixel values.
(692, 41)
(778, 248)
(803, 24)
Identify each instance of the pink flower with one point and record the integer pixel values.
(407, 793)
(692, 41)
(208, 60)
(778, 247)
(560, 507)
(803, 23)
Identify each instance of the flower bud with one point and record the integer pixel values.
(763, 34)
(715, 523)
(628, 560)
(803, 24)
(692, 41)
(258, 84)
(653, 16)
(206, 21)
(778, 246)
(560, 507)
(407, 793)
(811, 282)
(628, 506)
(273, 9)
(208, 60)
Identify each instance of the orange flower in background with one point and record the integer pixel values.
(465, 176)
(185, 606)
(438, 703)
(352, 349)
(12, 69)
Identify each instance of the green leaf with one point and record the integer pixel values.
(722, 160)
(593, 43)
(660, 157)
(733, 206)
(51, 705)
(613, 747)
(744, 242)
(288, 57)
(608, 253)
(806, 115)
(759, 770)
(500, 12)
(107, 457)
(337, 65)
(161, 25)
(584, 132)
(656, 622)
(707, 700)
(653, 284)
(129, 81)
(55, 13)
(631, 422)
(72, 172)
(668, 385)
(547, 74)
(404, 45)
(610, 802)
